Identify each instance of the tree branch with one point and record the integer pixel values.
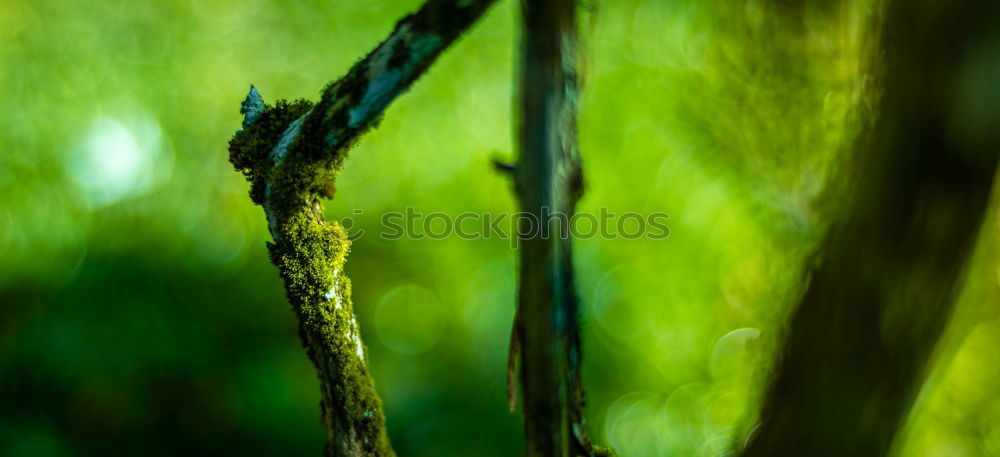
(353, 104)
(548, 182)
(291, 152)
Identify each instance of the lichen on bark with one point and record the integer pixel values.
(291, 152)
(310, 254)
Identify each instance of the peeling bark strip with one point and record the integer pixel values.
(548, 180)
(290, 153)
(861, 338)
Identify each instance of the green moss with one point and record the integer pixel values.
(601, 451)
(310, 254)
(250, 148)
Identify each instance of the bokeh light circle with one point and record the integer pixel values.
(409, 319)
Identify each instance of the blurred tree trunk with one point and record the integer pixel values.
(859, 342)
(548, 182)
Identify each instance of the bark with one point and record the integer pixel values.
(291, 152)
(548, 182)
(860, 340)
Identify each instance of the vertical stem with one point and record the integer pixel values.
(860, 340)
(548, 181)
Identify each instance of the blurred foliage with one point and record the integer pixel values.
(140, 315)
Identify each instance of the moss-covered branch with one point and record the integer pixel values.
(310, 253)
(548, 181)
(290, 152)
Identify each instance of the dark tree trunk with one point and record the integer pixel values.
(548, 182)
(859, 342)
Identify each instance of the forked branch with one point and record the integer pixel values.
(291, 153)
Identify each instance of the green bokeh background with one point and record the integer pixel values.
(139, 314)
